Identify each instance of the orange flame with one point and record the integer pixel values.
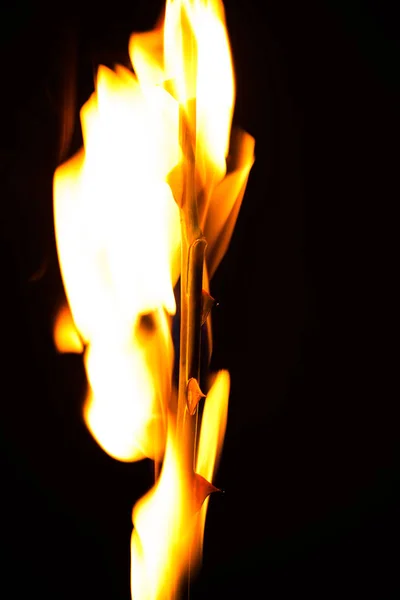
(66, 337)
(169, 524)
(117, 220)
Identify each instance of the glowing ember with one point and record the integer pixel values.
(133, 211)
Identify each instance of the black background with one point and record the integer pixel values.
(305, 323)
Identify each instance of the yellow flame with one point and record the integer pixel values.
(169, 527)
(118, 236)
(117, 220)
(212, 433)
(162, 537)
(199, 71)
(129, 385)
(198, 60)
(66, 337)
(213, 426)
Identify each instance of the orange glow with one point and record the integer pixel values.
(118, 207)
(66, 337)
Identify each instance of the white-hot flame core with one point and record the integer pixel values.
(118, 238)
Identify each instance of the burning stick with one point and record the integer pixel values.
(156, 143)
(193, 248)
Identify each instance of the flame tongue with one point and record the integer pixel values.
(133, 425)
(118, 205)
(169, 520)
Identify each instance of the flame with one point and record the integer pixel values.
(161, 539)
(212, 433)
(198, 61)
(117, 232)
(133, 425)
(66, 337)
(169, 523)
(117, 212)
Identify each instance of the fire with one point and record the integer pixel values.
(117, 229)
(172, 512)
(153, 138)
(66, 337)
